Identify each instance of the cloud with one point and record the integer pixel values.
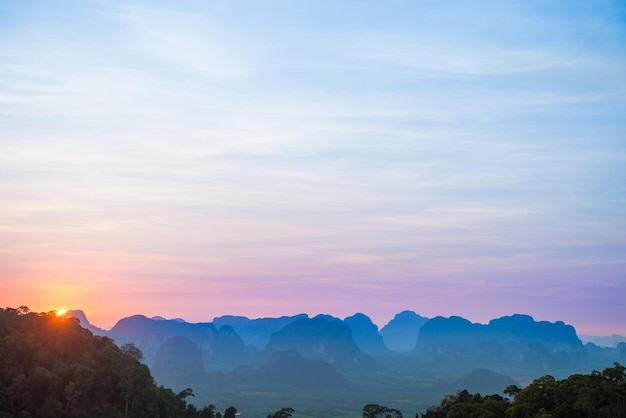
(399, 144)
(186, 42)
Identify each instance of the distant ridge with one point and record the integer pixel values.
(177, 357)
(160, 318)
(609, 341)
(289, 368)
(321, 338)
(518, 328)
(366, 336)
(400, 334)
(82, 318)
(397, 334)
(516, 341)
(255, 332)
(221, 348)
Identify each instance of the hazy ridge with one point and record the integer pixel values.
(410, 363)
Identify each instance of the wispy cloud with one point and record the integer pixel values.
(221, 144)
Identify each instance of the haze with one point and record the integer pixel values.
(196, 159)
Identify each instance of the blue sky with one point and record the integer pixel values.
(281, 157)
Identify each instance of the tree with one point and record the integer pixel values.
(132, 351)
(283, 413)
(185, 393)
(230, 412)
(208, 411)
(512, 390)
(591, 395)
(539, 395)
(373, 410)
(465, 404)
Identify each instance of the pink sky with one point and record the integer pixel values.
(205, 159)
(106, 300)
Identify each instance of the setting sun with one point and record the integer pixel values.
(61, 312)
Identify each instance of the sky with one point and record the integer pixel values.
(195, 159)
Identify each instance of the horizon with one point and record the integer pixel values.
(379, 325)
(264, 159)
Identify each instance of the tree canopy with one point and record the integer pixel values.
(282, 413)
(373, 410)
(597, 395)
(50, 367)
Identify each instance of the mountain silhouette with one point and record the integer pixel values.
(606, 341)
(366, 336)
(511, 341)
(321, 338)
(514, 345)
(221, 350)
(255, 332)
(400, 334)
(178, 358)
(516, 328)
(84, 322)
(288, 368)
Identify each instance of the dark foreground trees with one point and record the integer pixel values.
(599, 394)
(465, 404)
(373, 410)
(595, 395)
(282, 413)
(52, 367)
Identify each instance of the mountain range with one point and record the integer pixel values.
(325, 351)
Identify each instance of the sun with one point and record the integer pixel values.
(61, 312)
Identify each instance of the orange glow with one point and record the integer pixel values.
(61, 312)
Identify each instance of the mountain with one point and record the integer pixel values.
(287, 369)
(517, 328)
(149, 334)
(160, 318)
(255, 332)
(178, 358)
(365, 335)
(221, 350)
(516, 341)
(556, 336)
(82, 318)
(601, 357)
(400, 334)
(610, 341)
(321, 338)
(454, 328)
(515, 345)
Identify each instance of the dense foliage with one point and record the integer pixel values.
(282, 413)
(595, 395)
(372, 410)
(51, 367)
(465, 404)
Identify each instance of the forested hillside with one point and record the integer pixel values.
(52, 367)
(594, 395)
